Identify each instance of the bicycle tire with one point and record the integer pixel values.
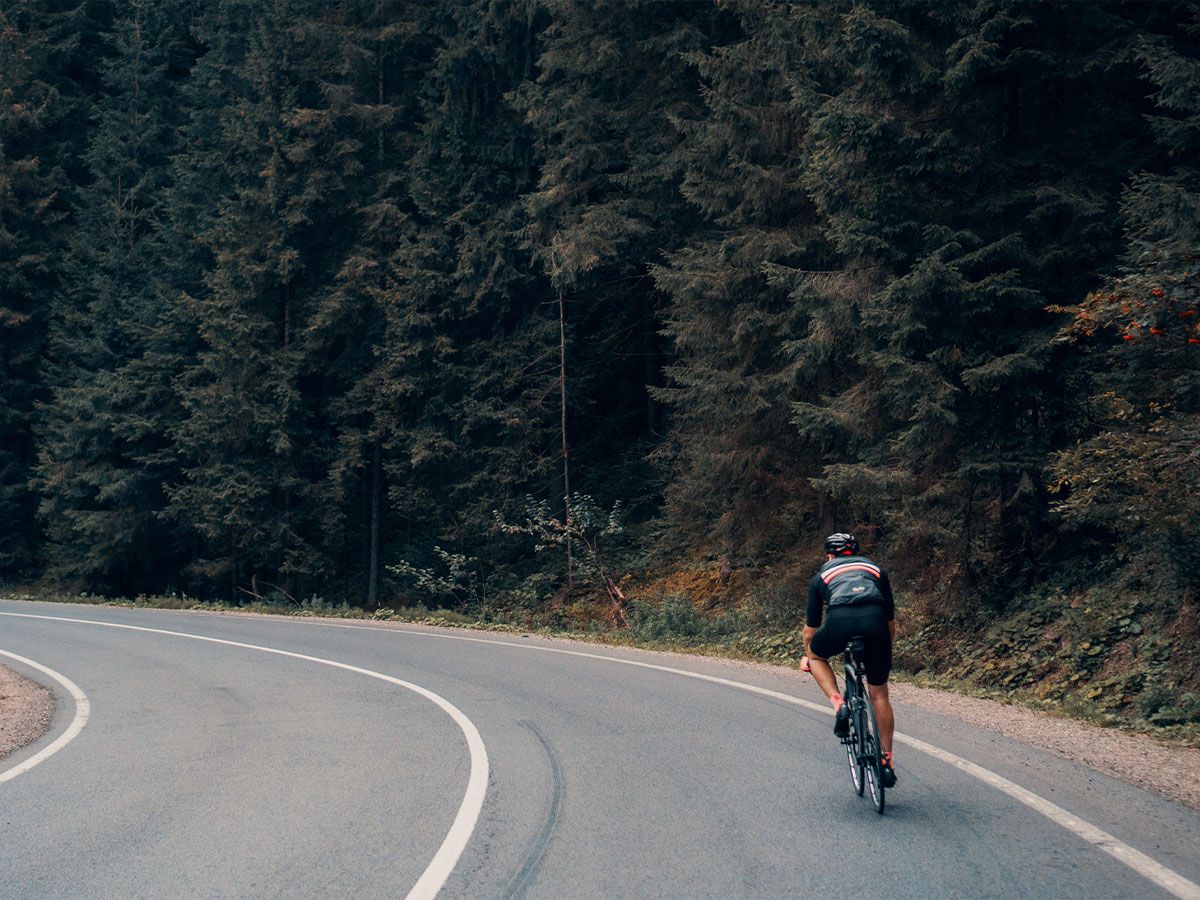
(873, 758)
(855, 747)
(857, 773)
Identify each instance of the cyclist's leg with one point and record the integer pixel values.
(828, 641)
(822, 673)
(879, 667)
(823, 645)
(883, 714)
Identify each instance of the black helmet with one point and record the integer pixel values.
(842, 544)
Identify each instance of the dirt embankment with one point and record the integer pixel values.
(25, 711)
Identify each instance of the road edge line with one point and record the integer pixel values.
(83, 711)
(1139, 862)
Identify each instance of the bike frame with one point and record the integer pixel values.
(863, 742)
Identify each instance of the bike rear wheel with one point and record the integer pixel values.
(857, 745)
(873, 756)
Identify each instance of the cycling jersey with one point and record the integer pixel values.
(849, 581)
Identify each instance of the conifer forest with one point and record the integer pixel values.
(492, 304)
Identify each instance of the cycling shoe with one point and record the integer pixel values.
(841, 722)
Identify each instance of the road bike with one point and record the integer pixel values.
(862, 743)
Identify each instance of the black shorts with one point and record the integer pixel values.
(864, 621)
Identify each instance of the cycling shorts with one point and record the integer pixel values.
(867, 622)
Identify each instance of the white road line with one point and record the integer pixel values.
(1143, 865)
(83, 709)
(469, 810)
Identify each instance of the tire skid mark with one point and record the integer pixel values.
(533, 858)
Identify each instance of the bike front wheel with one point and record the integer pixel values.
(854, 747)
(857, 777)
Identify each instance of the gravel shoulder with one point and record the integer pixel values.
(25, 711)
(1169, 770)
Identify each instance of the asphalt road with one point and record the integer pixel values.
(208, 769)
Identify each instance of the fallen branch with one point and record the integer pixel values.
(253, 592)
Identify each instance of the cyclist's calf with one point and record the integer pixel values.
(822, 673)
(883, 714)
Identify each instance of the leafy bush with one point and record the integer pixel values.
(676, 619)
(589, 529)
(456, 579)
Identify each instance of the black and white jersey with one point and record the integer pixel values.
(849, 581)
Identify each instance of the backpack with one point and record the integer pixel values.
(852, 581)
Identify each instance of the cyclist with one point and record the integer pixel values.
(859, 598)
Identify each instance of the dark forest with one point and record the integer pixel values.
(483, 305)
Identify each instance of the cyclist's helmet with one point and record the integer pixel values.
(841, 544)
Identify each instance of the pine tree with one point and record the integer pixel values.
(960, 220)
(103, 450)
(612, 82)
(244, 439)
(384, 50)
(1130, 477)
(37, 103)
(738, 482)
(468, 339)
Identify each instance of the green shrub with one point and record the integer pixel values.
(677, 619)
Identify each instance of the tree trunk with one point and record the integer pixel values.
(562, 385)
(376, 503)
(649, 360)
(345, 562)
(367, 492)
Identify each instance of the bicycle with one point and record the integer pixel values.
(863, 750)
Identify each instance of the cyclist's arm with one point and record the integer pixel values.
(809, 631)
(816, 607)
(816, 603)
(889, 602)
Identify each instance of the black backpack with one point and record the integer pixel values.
(852, 581)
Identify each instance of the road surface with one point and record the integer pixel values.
(375, 759)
